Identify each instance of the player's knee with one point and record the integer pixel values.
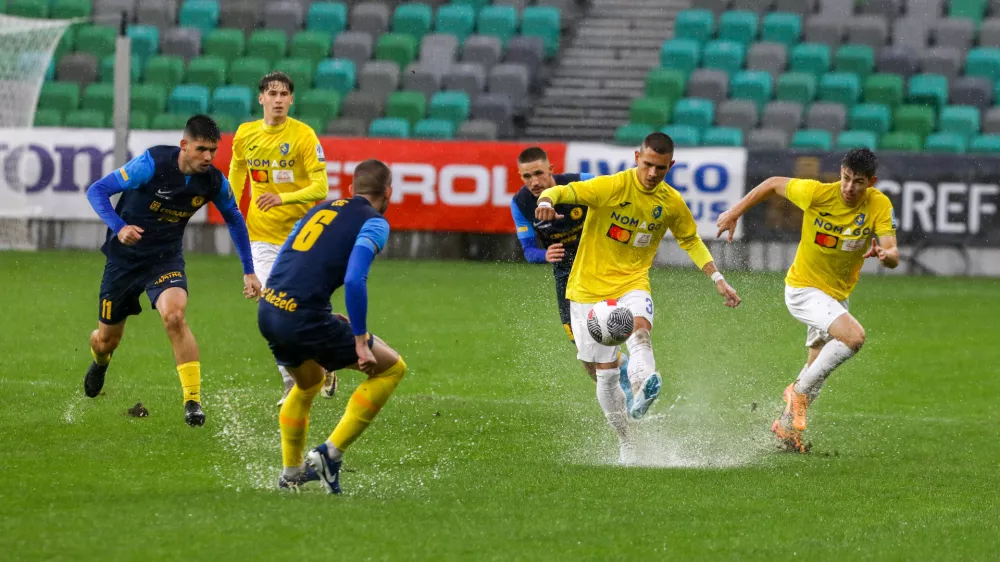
(640, 336)
(104, 342)
(173, 320)
(855, 339)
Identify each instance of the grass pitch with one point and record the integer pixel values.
(494, 446)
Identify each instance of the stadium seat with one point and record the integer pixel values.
(145, 40)
(66, 44)
(417, 78)
(885, 89)
(722, 136)
(915, 119)
(511, 80)
(149, 98)
(654, 112)
(411, 106)
(166, 70)
(857, 59)
(801, 7)
(283, 15)
(812, 140)
(665, 83)
(709, 84)
(952, 143)
(784, 116)
(362, 105)
(737, 114)
(451, 106)
(327, 17)
(299, 70)
(370, 17)
(542, 22)
(48, 118)
(694, 25)
(208, 71)
(971, 90)
(484, 50)
(767, 139)
(928, 89)
(396, 47)
(782, 28)
(199, 14)
(724, 55)
(311, 45)
(100, 97)
(868, 30)
(236, 101)
(323, 105)
(824, 29)
(811, 58)
(752, 85)
(755, 6)
(890, 9)
(160, 13)
(769, 57)
(985, 62)
(247, 71)
(336, 74)
(900, 61)
(347, 127)
(500, 21)
(529, 51)
(680, 54)
(455, 20)
(189, 99)
(226, 123)
(840, 87)
(683, 135)
(110, 10)
(98, 40)
(826, 116)
(413, 19)
(379, 77)
(946, 61)
(389, 127)
(632, 134)
(267, 44)
(87, 119)
(983, 144)
(872, 117)
(61, 96)
(857, 139)
(181, 41)
(989, 31)
(699, 113)
(962, 120)
(75, 67)
(243, 16)
(169, 122)
(29, 9)
(974, 10)
(716, 7)
(107, 72)
(796, 86)
(434, 129)
(738, 26)
(466, 77)
(911, 32)
(991, 121)
(355, 46)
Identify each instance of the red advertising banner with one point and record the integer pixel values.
(444, 186)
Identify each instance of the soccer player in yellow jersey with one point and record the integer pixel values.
(841, 223)
(627, 216)
(287, 176)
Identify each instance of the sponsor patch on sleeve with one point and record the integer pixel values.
(319, 153)
(892, 218)
(522, 229)
(123, 173)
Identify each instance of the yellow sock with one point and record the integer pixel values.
(569, 332)
(190, 374)
(100, 358)
(294, 421)
(365, 403)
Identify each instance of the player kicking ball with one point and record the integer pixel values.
(840, 225)
(161, 190)
(334, 246)
(628, 215)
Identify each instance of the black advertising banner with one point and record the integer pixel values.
(939, 199)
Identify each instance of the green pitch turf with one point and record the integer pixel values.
(494, 446)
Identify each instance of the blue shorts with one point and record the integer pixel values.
(123, 283)
(296, 337)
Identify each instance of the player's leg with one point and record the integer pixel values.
(847, 337)
(645, 380)
(264, 255)
(119, 299)
(294, 421)
(171, 303)
(103, 342)
(562, 279)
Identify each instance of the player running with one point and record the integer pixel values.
(334, 246)
(628, 214)
(161, 189)
(839, 220)
(287, 176)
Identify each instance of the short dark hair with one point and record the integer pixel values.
(532, 154)
(202, 127)
(861, 161)
(276, 76)
(660, 143)
(371, 177)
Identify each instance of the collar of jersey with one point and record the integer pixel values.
(269, 129)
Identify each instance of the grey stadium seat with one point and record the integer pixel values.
(911, 32)
(467, 77)
(286, 16)
(954, 32)
(769, 57)
(526, 50)
(767, 139)
(709, 84)
(897, 60)
(77, 67)
(362, 105)
(758, 6)
(419, 78)
(372, 17)
(991, 121)
(513, 80)
(804, 7)
(379, 77)
(715, 6)
(484, 50)
(108, 12)
(836, 8)
(477, 129)
(497, 108)
(946, 61)
(240, 16)
(355, 46)
(890, 9)
(161, 13)
(989, 32)
(738, 114)
(868, 30)
(181, 41)
(437, 51)
(827, 116)
(785, 116)
(971, 90)
(347, 127)
(825, 30)
(929, 10)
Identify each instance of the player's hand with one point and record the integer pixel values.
(555, 253)
(251, 286)
(366, 359)
(130, 234)
(267, 200)
(876, 251)
(727, 221)
(732, 299)
(546, 212)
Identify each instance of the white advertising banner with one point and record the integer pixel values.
(711, 180)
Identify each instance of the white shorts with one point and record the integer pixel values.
(588, 349)
(815, 309)
(264, 255)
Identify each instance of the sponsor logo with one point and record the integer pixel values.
(657, 211)
(176, 275)
(576, 213)
(283, 176)
(198, 201)
(268, 163)
(625, 204)
(164, 193)
(284, 148)
(319, 153)
(633, 222)
(619, 234)
(826, 240)
(860, 220)
(252, 148)
(259, 176)
(522, 229)
(279, 300)
(154, 206)
(123, 173)
(822, 214)
(892, 217)
(854, 244)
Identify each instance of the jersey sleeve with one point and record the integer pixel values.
(801, 192)
(525, 228)
(135, 172)
(374, 234)
(237, 168)
(885, 217)
(595, 192)
(685, 230)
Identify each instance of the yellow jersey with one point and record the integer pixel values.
(623, 229)
(287, 160)
(835, 236)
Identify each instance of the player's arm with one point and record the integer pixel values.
(134, 173)
(226, 203)
(526, 236)
(885, 231)
(370, 241)
(685, 230)
(237, 169)
(594, 193)
(770, 186)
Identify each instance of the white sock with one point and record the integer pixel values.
(611, 397)
(332, 452)
(292, 471)
(833, 354)
(286, 377)
(641, 363)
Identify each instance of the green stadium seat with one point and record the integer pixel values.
(299, 70)
(697, 112)
(971, 9)
(812, 58)
(915, 119)
(456, 20)
(983, 144)
(873, 117)
(411, 106)
(859, 59)
(796, 86)
(50, 71)
(99, 96)
(885, 89)
(247, 71)
(227, 123)
(434, 129)
(683, 135)
(61, 96)
(98, 40)
(145, 40)
(840, 87)
(960, 119)
(107, 69)
(452, 106)
(985, 62)
(899, 141)
(229, 44)
(389, 127)
(812, 139)
(398, 48)
(67, 43)
(310, 45)
(169, 122)
(738, 26)
(199, 14)
(48, 118)
(498, 21)
(784, 28)
(335, 74)
(632, 134)
(327, 17)
(138, 120)
(654, 112)
(857, 139)
(724, 55)
(87, 119)
(38, 9)
(952, 143)
(167, 70)
(475, 5)
(68, 9)
(542, 21)
(928, 89)
(322, 105)
(413, 19)
(680, 54)
(696, 25)
(189, 99)
(722, 136)
(236, 101)
(665, 83)
(267, 44)
(751, 85)
(209, 71)
(149, 98)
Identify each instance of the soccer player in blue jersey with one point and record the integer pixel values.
(332, 246)
(161, 190)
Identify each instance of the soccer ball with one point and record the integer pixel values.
(609, 323)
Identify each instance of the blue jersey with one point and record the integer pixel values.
(538, 234)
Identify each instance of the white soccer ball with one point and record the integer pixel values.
(609, 323)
